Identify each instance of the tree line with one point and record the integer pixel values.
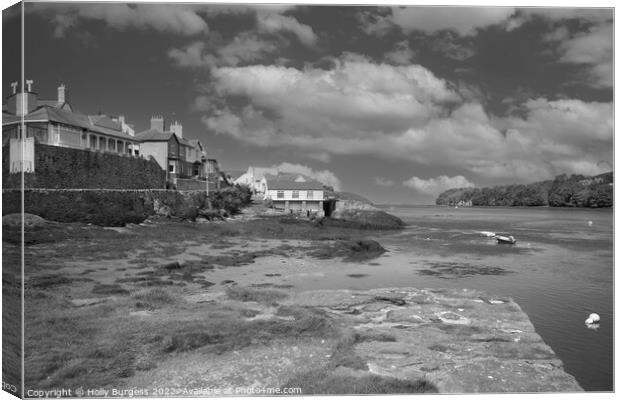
(562, 191)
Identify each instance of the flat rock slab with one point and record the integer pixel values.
(460, 340)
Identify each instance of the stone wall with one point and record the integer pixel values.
(193, 184)
(344, 206)
(64, 168)
(104, 207)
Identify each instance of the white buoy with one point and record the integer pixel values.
(594, 317)
(589, 223)
(589, 321)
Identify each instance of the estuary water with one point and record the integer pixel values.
(560, 271)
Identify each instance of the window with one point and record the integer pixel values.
(280, 194)
(93, 142)
(102, 143)
(120, 146)
(295, 194)
(111, 144)
(68, 135)
(309, 194)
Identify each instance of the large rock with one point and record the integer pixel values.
(369, 218)
(30, 221)
(455, 339)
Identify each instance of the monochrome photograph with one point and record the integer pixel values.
(208, 199)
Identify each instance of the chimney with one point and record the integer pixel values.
(157, 123)
(61, 94)
(121, 119)
(25, 102)
(177, 128)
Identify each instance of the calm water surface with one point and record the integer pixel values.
(560, 271)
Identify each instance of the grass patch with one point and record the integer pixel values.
(48, 281)
(258, 295)
(153, 298)
(457, 270)
(349, 250)
(327, 382)
(343, 354)
(110, 289)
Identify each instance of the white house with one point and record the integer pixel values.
(295, 193)
(253, 178)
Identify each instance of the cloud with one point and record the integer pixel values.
(245, 47)
(272, 23)
(435, 186)
(383, 181)
(326, 177)
(358, 107)
(461, 20)
(191, 55)
(594, 49)
(62, 23)
(452, 46)
(401, 55)
(170, 18)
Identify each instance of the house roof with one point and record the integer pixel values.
(291, 182)
(59, 115)
(105, 122)
(154, 135)
(185, 142)
(235, 174)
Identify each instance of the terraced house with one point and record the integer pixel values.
(56, 123)
(181, 158)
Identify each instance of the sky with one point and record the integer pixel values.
(394, 103)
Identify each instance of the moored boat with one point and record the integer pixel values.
(505, 239)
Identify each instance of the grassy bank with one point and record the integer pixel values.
(81, 325)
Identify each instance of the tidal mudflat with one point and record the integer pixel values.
(231, 305)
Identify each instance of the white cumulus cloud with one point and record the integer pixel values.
(171, 18)
(359, 107)
(273, 22)
(326, 177)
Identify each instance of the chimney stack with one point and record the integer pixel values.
(25, 102)
(177, 128)
(61, 94)
(157, 123)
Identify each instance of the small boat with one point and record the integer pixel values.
(488, 234)
(506, 239)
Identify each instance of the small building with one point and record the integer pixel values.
(179, 157)
(294, 193)
(253, 178)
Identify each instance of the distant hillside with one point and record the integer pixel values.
(563, 191)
